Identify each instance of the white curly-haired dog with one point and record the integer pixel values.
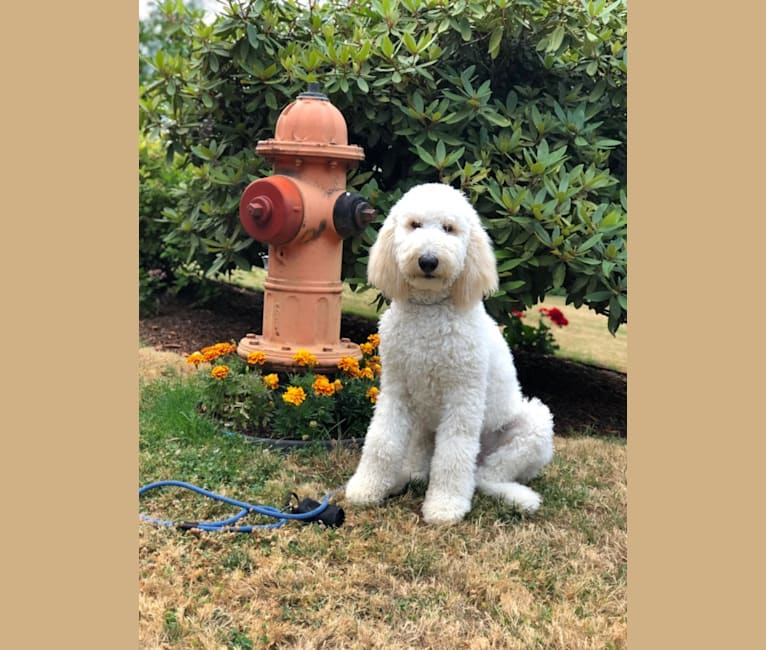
(450, 408)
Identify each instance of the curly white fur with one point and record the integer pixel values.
(450, 408)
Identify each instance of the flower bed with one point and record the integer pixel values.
(301, 405)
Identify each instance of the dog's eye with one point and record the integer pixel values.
(448, 227)
(415, 224)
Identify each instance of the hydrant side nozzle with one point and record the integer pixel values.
(351, 214)
(271, 210)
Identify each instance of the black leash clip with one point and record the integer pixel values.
(330, 515)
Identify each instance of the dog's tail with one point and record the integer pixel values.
(514, 494)
(524, 447)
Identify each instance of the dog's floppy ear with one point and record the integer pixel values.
(479, 277)
(382, 268)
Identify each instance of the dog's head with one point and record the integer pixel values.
(432, 246)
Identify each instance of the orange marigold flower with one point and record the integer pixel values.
(305, 358)
(271, 381)
(374, 340)
(196, 358)
(367, 348)
(210, 355)
(367, 373)
(294, 395)
(349, 365)
(219, 372)
(337, 385)
(322, 386)
(377, 368)
(256, 358)
(372, 393)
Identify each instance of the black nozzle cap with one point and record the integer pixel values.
(351, 214)
(330, 516)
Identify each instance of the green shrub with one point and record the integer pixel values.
(521, 103)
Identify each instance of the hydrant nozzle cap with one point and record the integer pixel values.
(271, 210)
(351, 214)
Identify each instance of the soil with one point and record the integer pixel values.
(583, 398)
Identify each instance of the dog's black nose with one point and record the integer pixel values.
(428, 263)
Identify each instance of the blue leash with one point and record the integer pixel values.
(307, 510)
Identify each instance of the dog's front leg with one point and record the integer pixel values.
(453, 466)
(379, 472)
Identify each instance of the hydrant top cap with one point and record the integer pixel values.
(312, 119)
(311, 126)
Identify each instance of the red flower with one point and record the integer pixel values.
(518, 314)
(556, 316)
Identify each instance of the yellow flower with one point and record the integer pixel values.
(377, 368)
(372, 393)
(366, 373)
(196, 358)
(219, 372)
(271, 381)
(294, 395)
(337, 385)
(349, 365)
(213, 352)
(322, 386)
(374, 340)
(305, 358)
(256, 358)
(367, 348)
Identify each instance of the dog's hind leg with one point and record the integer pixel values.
(516, 454)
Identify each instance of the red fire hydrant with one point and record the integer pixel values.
(303, 212)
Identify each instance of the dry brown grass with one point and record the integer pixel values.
(386, 580)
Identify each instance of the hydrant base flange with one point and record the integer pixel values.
(279, 356)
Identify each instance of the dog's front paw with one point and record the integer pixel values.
(445, 510)
(361, 490)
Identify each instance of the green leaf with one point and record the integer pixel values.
(409, 43)
(363, 85)
(425, 156)
(589, 243)
(559, 273)
(441, 151)
(494, 42)
(252, 36)
(387, 47)
(556, 38)
(597, 296)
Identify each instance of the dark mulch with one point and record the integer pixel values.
(583, 398)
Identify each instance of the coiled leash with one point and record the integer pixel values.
(305, 510)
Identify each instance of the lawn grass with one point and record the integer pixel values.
(585, 339)
(499, 579)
